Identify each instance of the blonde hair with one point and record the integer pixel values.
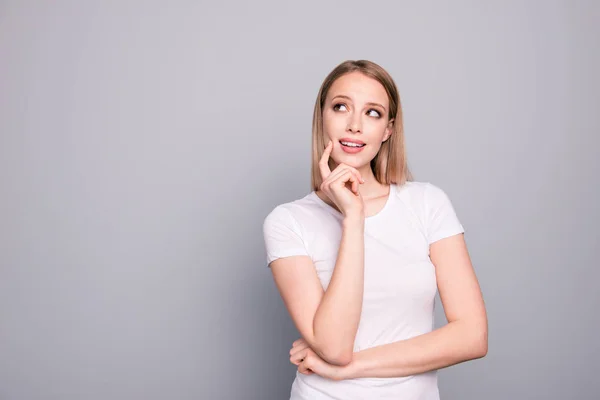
(390, 164)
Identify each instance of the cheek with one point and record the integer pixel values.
(377, 128)
(331, 124)
(375, 124)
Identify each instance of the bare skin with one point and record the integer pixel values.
(372, 205)
(357, 107)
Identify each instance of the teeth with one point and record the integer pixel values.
(352, 144)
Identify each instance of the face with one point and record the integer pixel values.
(356, 112)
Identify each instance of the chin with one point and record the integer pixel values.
(354, 160)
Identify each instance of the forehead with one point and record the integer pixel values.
(359, 87)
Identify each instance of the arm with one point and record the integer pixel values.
(463, 338)
(327, 320)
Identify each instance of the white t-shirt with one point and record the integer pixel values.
(399, 281)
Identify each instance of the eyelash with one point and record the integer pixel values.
(335, 107)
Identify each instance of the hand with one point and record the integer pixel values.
(298, 351)
(347, 199)
(309, 362)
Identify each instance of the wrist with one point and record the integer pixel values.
(350, 371)
(354, 219)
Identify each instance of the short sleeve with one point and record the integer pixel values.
(441, 218)
(282, 235)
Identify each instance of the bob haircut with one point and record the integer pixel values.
(390, 164)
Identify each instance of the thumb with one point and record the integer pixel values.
(304, 367)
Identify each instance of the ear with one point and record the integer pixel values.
(388, 130)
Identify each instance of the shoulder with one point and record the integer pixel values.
(421, 196)
(433, 208)
(419, 192)
(290, 213)
(284, 235)
(419, 189)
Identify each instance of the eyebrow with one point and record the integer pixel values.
(371, 104)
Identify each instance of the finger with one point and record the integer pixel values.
(298, 347)
(355, 183)
(349, 176)
(342, 179)
(340, 169)
(295, 360)
(298, 357)
(352, 179)
(324, 161)
(346, 166)
(298, 352)
(303, 368)
(332, 178)
(306, 371)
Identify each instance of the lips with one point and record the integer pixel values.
(352, 141)
(347, 148)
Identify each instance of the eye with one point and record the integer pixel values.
(338, 105)
(376, 115)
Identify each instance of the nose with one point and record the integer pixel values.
(354, 123)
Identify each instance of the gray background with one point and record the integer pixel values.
(142, 145)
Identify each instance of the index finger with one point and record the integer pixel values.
(324, 162)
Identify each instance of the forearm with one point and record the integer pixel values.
(451, 344)
(337, 317)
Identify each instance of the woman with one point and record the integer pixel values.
(358, 260)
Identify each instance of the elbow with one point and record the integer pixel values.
(484, 347)
(338, 357)
(334, 351)
(341, 360)
(480, 349)
(475, 339)
(479, 345)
